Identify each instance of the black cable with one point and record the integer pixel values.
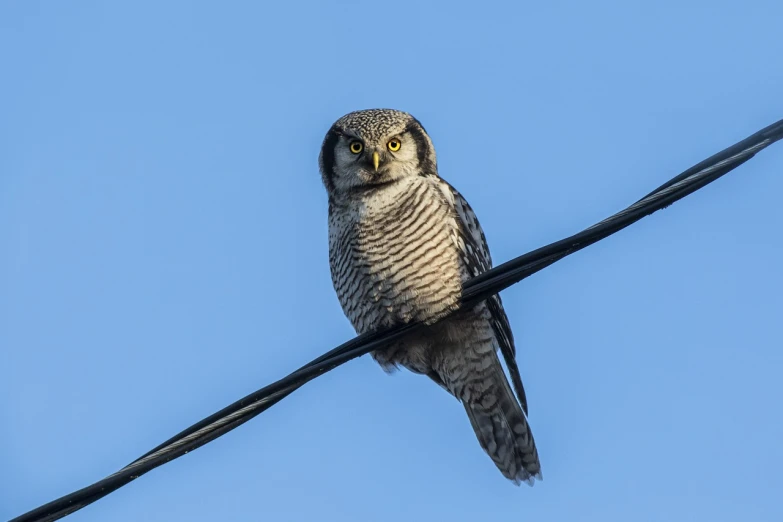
(481, 287)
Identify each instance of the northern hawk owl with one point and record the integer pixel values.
(402, 241)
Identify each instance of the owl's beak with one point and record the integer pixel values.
(376, 160)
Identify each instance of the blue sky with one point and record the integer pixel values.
(163, 252)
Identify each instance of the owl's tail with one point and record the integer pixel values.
(501, 426)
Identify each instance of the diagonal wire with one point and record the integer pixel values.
(475, 290)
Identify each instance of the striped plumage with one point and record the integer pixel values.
(401, 243)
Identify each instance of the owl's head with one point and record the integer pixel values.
(370, 148)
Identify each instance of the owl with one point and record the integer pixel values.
(402, 242)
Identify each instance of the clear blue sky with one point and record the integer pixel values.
(163, 252)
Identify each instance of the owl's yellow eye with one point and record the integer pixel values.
(394, 145)
(356, 147)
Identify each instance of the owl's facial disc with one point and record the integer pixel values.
(373, 148)
(373, 152)
(375, 160)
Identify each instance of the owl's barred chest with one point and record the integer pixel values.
(393, 255)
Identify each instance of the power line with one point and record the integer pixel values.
(478, 288)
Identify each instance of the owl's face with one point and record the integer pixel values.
(368, 149)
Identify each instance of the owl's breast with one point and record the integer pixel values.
(393, 256)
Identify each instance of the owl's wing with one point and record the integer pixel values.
(478, 260)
